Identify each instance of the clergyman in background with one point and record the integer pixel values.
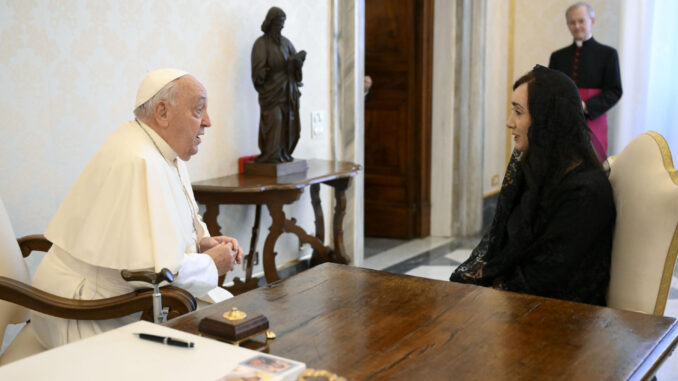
(594, 68)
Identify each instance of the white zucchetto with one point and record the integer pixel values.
(154, 82)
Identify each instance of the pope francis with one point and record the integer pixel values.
(133, 208)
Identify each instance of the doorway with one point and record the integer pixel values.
(399, 59)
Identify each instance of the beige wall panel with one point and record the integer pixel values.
(497, 54)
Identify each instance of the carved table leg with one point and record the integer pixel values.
(281, 224)
(210, 217)
(275, 208)
(250, 283)
(340, 186)
(253, 243)
(316, 257)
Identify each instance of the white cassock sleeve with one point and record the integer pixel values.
(197, 273)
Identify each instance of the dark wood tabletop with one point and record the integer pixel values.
(365, 324)
(318, 171)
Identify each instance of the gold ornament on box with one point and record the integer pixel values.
(234, 314)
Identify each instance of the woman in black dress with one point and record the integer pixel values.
(552, 230)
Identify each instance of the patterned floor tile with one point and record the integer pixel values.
(432, 272)
(459, 255)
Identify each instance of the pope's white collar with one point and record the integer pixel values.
(165, 150)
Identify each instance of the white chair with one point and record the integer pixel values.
(17, 296)
(645, 244)
(13, 266)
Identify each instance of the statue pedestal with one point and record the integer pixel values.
(275, 169)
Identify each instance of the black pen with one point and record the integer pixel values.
(166, 340)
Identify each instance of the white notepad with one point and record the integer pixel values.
(121, 355)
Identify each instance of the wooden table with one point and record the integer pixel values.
(274, 192)
(365, 324)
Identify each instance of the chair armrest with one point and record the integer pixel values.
(178, 300)
(148, 276)
(33, 242)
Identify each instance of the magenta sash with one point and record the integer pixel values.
(598, 126)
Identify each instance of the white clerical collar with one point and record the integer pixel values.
(165, 150)
(580, 43)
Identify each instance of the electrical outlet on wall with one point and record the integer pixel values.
(317, 125)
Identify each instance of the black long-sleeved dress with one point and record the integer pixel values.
(560, 250)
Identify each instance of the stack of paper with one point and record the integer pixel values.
(121, 354)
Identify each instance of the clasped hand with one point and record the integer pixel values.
(224, 251)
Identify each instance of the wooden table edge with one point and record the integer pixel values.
(658, 355)
(271, 187)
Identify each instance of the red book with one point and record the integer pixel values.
(242, 160)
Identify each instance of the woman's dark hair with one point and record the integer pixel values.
(558, 137)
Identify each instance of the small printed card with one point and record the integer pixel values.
(243, 373)
(265, 367)
(269, 364)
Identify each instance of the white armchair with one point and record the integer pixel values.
(645, 244)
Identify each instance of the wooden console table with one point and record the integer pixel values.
(274, 192)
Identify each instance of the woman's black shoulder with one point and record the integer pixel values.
(588, 182)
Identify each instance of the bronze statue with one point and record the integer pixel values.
(276, 74)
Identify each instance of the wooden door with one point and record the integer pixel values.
(398, 57)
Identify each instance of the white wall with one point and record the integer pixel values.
(442, 116)
(497, 71)
(70, 70)
(647, 55)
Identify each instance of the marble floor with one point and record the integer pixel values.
(436, 258)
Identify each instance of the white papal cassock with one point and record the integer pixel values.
(131, 208)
